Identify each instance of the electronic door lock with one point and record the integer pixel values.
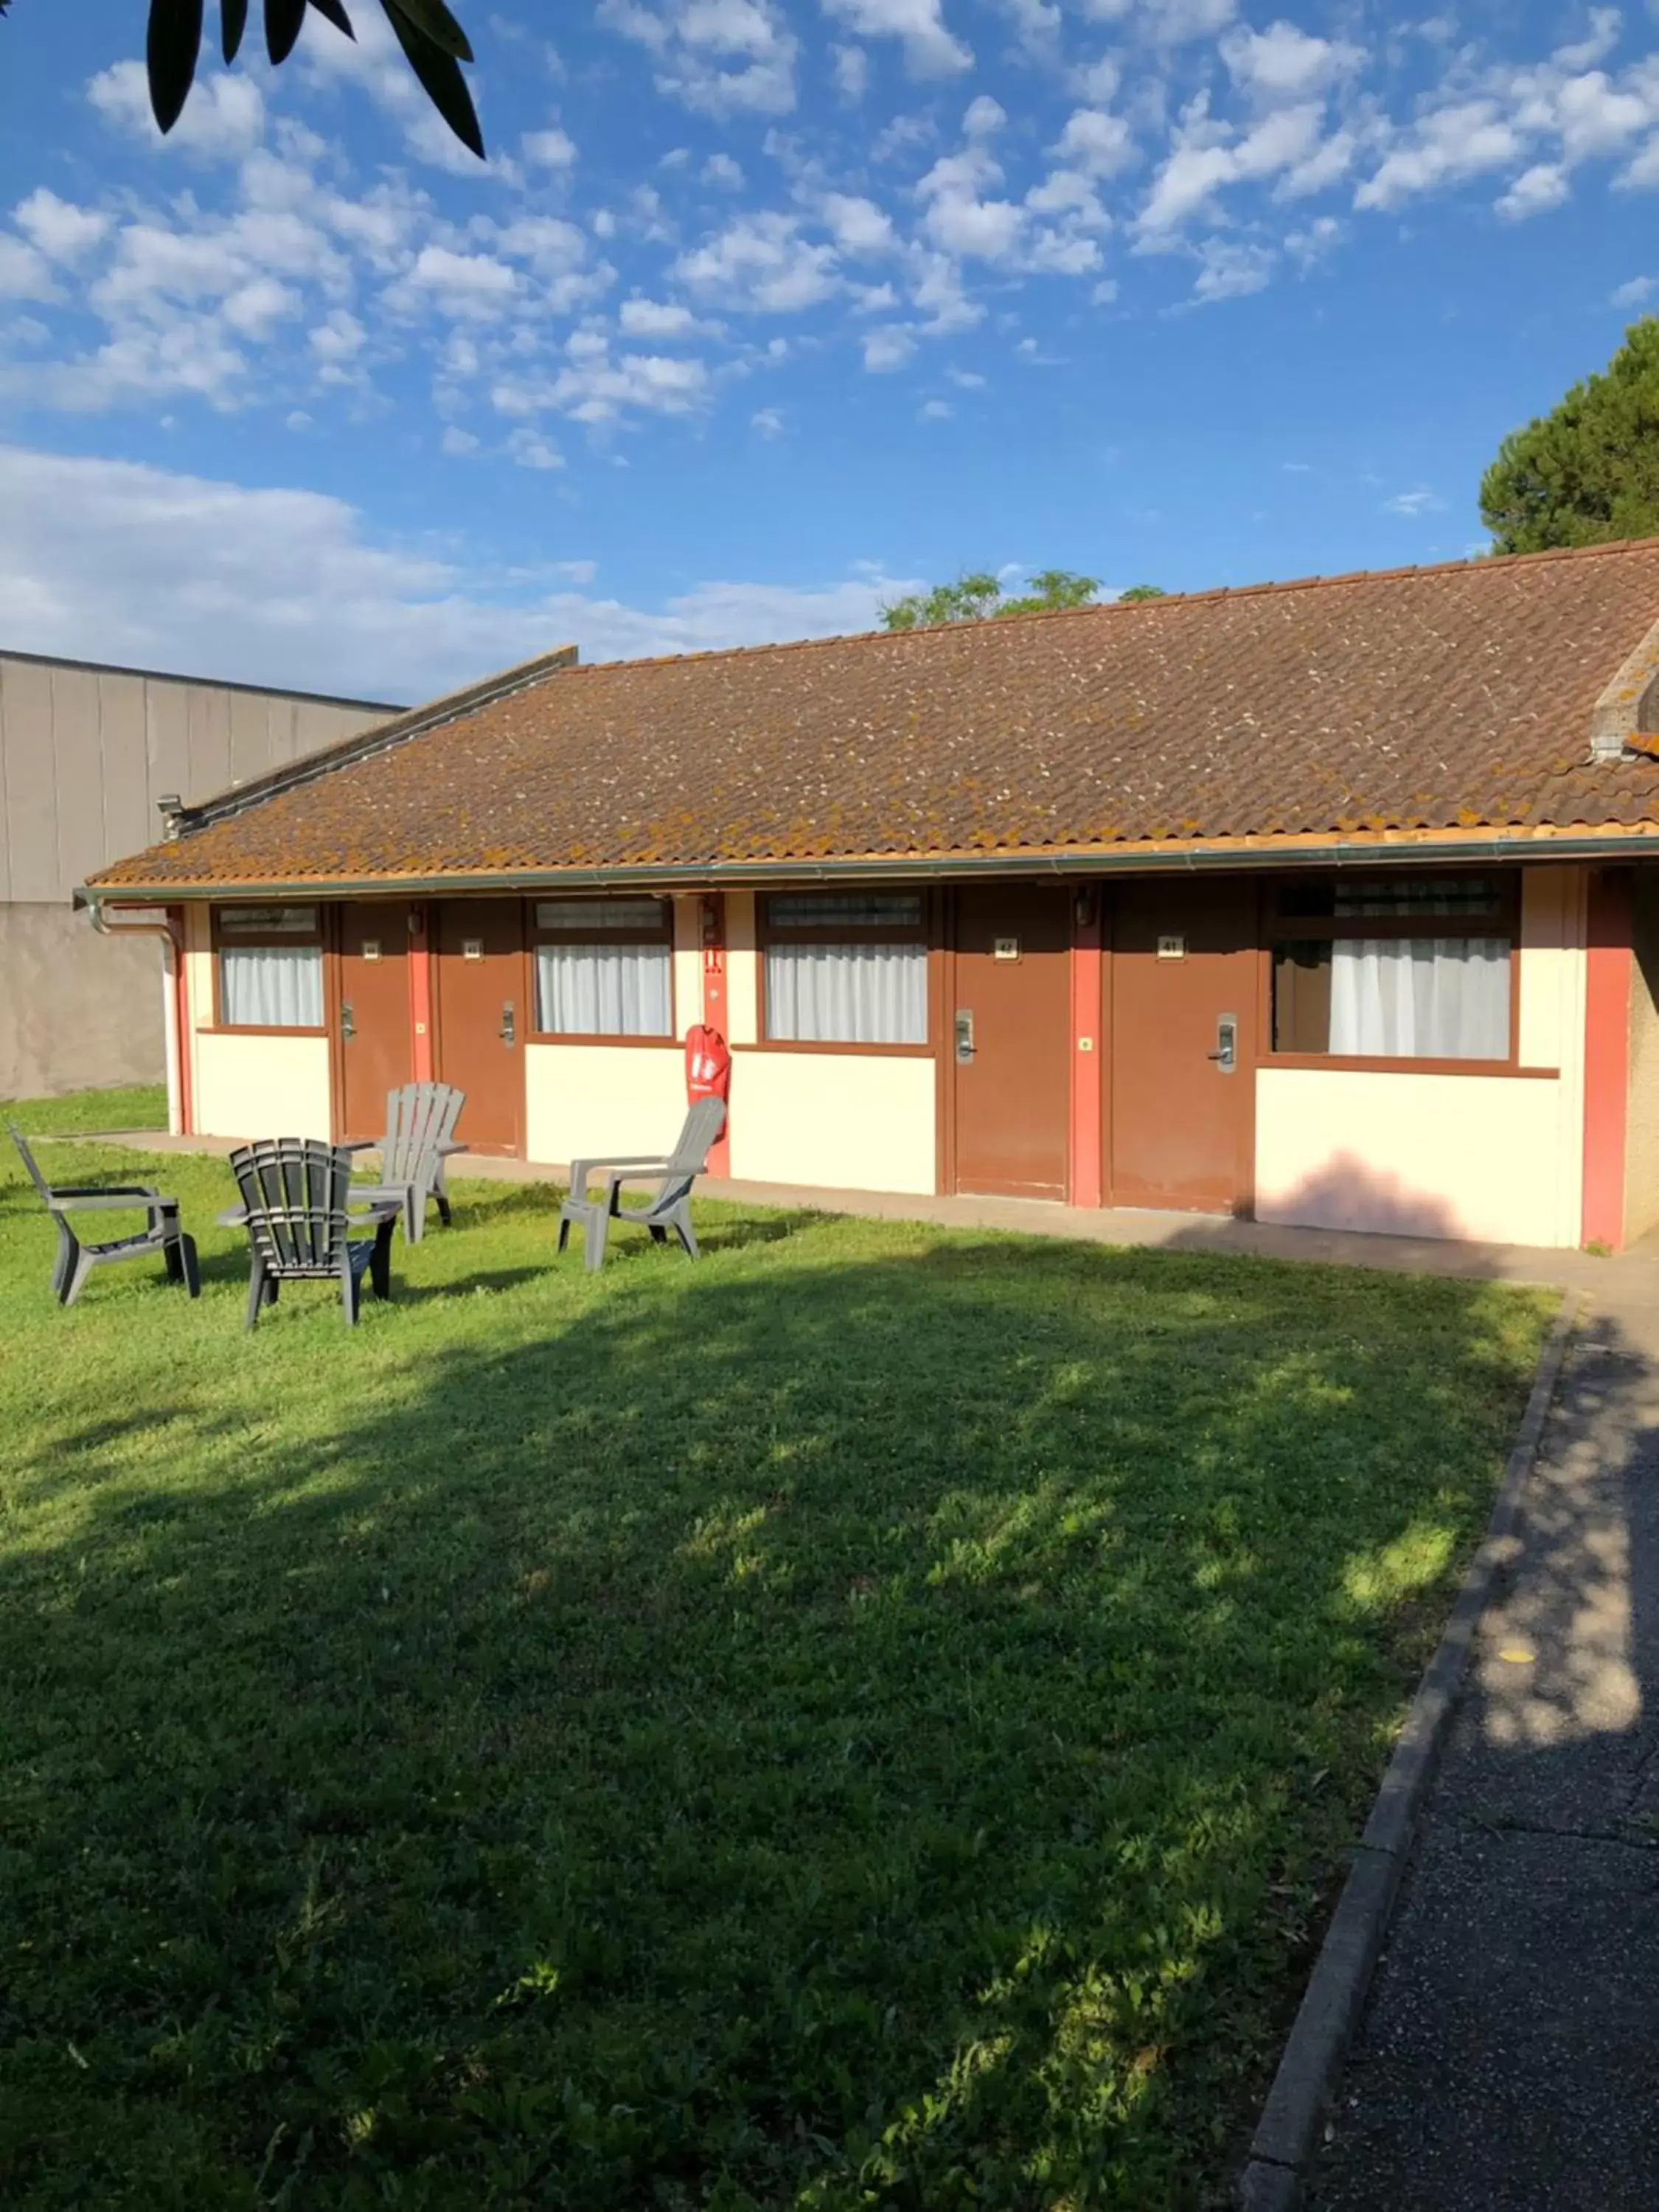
(509, 1032)
(964, 1036)
(348, 1025)
(1226, 1055)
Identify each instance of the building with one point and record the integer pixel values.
(87, 753)
(1332, 903)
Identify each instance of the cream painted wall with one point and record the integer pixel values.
(1472, 1156)
(688, 963)
(742, 970)
(844, 1120)
(261, 1086)
(584, 1099)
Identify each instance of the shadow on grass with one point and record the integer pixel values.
(805, 1733)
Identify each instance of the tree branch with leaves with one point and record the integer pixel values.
(434, 44)
(978, 596)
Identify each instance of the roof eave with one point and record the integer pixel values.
(1139, 860)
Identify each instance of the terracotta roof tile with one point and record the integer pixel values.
(1417, 699)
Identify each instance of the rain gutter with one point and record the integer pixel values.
(933, 868)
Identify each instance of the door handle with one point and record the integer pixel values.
(348, 1026)
(1226, 1055)
(964, 1035)
(509, 1032)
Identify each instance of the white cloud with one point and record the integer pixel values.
(767, 422)
(858, 226)
(255, 308)
(111, 560)
(1446, 145)
(851, 71)
(1605, 26)
(224, 118)
(1535, 192)
(761, 263)
(1098, 143)
(1166, 22)
(549, 149)
(889, 347)
(958, 219)
(1228, 271)
(1411, 504)
(721, 58)
(935, 410)
(459, 444)
(530, 450)
(1636, 292)
(657, 318)
(60, 230)
(24, 274)
(340, 338)
(469, 286)
(984, 118)
(930, 50)
(1205, 158)
(721, 170)
(967, 380)
(1284, 64)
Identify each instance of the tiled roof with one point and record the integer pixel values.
(1448, 699)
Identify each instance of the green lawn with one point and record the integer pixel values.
(868, 1719)
(132, 1106)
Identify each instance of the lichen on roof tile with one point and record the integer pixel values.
(1417, 699)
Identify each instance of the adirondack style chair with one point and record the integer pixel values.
(420, 1138)
(76, 1260)
(671, 1208)
(296, 1196)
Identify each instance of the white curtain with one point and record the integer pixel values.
(271, 987)
(847, 993)
(1421, 998)
(603, 990)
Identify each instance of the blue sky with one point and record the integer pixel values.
(765, 309)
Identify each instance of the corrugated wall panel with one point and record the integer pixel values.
(31, 785)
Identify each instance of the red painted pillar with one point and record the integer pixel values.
(1088, 956)
(1607, 1055)
(715, 1007)
(420, 992)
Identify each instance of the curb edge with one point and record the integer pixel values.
(1288, 2131)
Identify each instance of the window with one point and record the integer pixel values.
(605, 968)
(1408, 967)
(846, 968)
(270, 967)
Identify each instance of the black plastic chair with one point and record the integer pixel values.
(296, 1194)
(77, 1259)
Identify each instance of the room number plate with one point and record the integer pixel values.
(1172, 948)
(1005, 948)
(371, 948)
(472, 948)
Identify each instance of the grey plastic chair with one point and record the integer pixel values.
(296, 1194)
(420, 1138)
(76, 1260)
(671, 1206)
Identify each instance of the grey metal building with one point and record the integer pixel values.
(87, 753)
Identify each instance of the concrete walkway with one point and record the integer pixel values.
(1186, 1232)
(1509, 2059)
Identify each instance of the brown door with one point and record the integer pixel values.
(1182, 1073)
(480, 1018)
(1009, 1039)
(375, 1052)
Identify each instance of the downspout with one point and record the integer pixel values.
(110, 921)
